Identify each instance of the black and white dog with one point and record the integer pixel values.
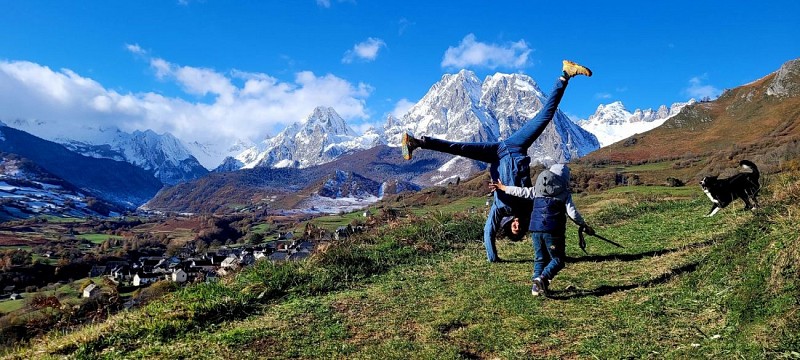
(743, 185)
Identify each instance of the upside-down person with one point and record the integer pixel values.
(508, 161)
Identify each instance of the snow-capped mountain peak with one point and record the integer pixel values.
(162, 154)
(610, 114)
(462, 108)
(613, 122)
(327, 119)
(321, 137)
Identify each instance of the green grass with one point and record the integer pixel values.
(7, 306)
(682, 191)
(260, 228)
(15, 247)
(332, 222)
(59, 220)
(477, 204)
(44, 260)
(657, 166)
(97, 238)
(684, 286)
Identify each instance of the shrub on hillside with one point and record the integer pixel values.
(674, 182)
(154, 291)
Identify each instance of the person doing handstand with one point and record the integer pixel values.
(508, 161)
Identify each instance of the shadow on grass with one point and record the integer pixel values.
(607, 290)
(639, 256)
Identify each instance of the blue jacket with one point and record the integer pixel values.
(550, 210)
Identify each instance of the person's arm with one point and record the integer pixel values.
(576, 217)
(523, 192)
(518, 191)
(573, 213)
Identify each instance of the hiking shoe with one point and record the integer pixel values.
(538, 287)
(572, 69)
(408, 145)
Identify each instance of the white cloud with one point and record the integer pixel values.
(239, 105)
(471, 52)
(324, 3)
(602, 96)
(366, 50)
(698, 90)
(401, 108)
(135, 49)
(196, 81)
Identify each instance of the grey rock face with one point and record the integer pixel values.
(787, 80)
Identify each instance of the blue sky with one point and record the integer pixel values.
(209, 70)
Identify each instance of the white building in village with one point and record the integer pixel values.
(179, 276)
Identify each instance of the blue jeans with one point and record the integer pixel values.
(508, 161)
(549, 254)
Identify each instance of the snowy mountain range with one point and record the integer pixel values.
(124, 185)
(612, 122)
(162, 154)
(459, 107)
(462, 108)
(212, 155)
(321, 138)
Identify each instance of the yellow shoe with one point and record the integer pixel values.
(572, 69)
(407, 146)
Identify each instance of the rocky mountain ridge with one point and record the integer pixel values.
(161, 154)
(117, 182)
(613, 122)
(462, 108)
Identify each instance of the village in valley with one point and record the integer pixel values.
(112, 264)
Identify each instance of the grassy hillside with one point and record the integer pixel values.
(684, 286)
(741, 119)
(759, 121)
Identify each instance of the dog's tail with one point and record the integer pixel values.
(749, 165)
(754, 178)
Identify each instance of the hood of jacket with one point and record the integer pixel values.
(562, 170)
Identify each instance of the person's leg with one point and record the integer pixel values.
(540, 259)
(481, 151)
(528, 133)
(556, 248)
(540, 256)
